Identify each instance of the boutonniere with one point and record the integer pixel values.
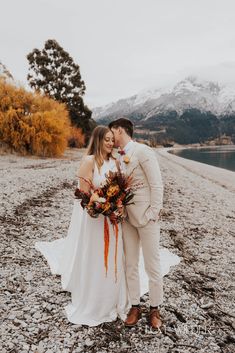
(121, 152)
(126, 159)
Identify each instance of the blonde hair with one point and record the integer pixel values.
(95, 146)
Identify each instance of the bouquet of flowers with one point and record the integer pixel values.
(108, 200)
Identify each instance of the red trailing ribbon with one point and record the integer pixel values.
(115, 228)
(106, 245)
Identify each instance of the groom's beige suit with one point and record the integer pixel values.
(142, 223)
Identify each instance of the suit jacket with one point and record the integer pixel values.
(148, 199)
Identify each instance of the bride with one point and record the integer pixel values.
(96, 297)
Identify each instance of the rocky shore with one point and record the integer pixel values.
(198, 224)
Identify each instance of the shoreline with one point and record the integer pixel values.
(220, 176)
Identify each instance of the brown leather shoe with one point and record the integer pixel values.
(155, 319)
(133, 316)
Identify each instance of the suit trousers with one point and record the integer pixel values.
(148, 236)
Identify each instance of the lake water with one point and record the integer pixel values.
(219, 156)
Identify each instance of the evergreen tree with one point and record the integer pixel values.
(53, 71)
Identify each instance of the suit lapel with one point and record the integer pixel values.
(130, 154)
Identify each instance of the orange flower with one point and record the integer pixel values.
(113, 190)
(126, 159)
(107, 206)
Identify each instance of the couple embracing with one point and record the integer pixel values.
(78, 258)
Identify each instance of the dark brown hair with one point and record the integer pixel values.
(126, 124)
(95, 146)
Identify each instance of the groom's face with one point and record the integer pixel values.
(117, 136)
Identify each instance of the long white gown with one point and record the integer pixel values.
(79, 259)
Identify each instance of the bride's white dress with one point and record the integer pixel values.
(79, 259)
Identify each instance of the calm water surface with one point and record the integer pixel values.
(219, 156)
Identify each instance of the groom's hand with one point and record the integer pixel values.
(155, 215)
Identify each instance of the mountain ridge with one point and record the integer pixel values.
(192, 111)
(207, 96)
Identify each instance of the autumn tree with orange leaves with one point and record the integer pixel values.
(33, 124)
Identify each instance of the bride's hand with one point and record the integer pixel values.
(123, 212)
(113, 217)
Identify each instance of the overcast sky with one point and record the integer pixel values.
(124, 46)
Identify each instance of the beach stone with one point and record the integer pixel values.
(89, 342)
(11, 316)
(37, 315)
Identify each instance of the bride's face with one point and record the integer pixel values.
(108, 142)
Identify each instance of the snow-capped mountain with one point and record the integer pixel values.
(136, 102)
(189, 93)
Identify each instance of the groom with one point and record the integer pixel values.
(142, 224)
